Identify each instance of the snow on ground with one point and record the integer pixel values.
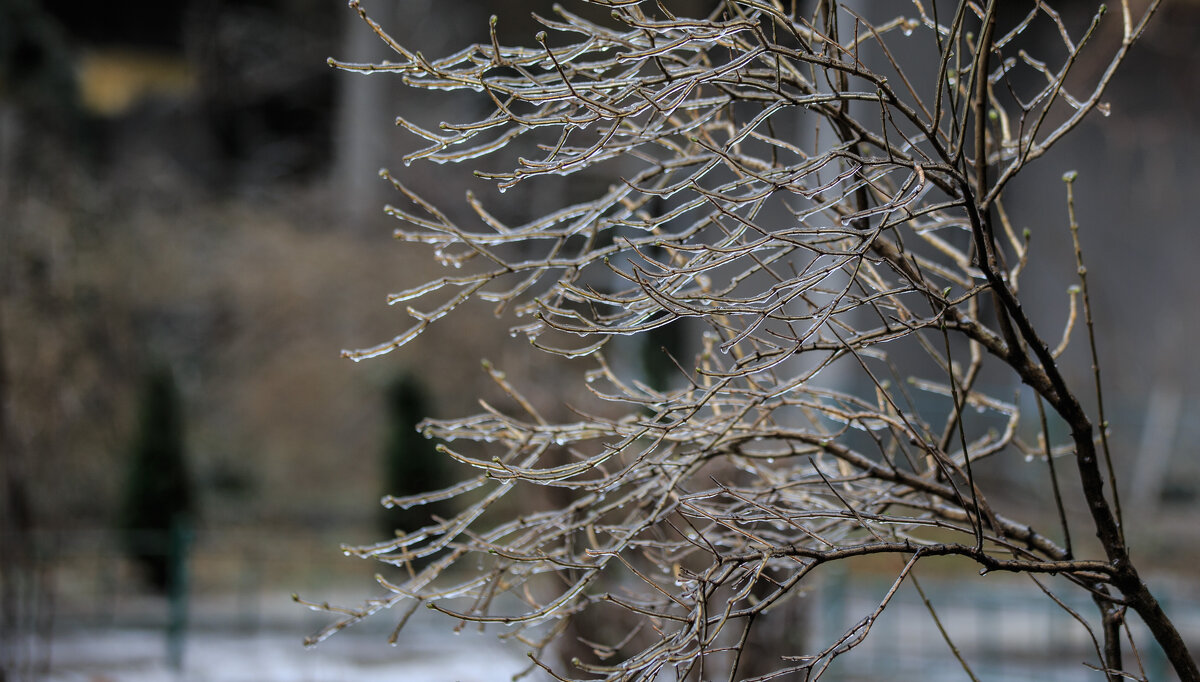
(140, 656)
(426, 652)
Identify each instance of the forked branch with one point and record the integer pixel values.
(827, 224)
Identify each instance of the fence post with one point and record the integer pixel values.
(834, 608)
(180, 541)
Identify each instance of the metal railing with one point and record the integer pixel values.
(240, 580)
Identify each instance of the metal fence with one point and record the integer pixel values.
(235, 580)
(1005, 628)
(240, 580)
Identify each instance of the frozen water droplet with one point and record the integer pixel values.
(770, 460)
(1028, 458)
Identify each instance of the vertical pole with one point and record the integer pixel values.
(179, 542)
(834, 609)
(1157, 665)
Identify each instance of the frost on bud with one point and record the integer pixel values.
(1070, 176)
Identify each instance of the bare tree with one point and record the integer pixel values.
(811, 199)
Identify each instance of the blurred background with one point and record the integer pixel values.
(191, 230)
